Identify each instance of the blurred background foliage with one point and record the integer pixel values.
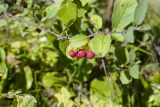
(34, 71)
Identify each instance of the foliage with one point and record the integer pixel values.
(36, 37)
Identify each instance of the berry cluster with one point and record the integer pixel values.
(81, 54)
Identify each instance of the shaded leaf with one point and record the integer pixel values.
(145, 28)
(134, 71)
(2, 8)
(132, 55)
(51, 79)
(63, 46)
(122, 55)
(104, 93)
(129, 36)
(2, 22)
(28, 77)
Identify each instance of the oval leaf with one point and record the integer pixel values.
(78, 41)
(100, 45)
(129, 36)
(25, 101)
(141, 11)
(2, 22)
(118, 37)
(96, 21)
(124, 78)
(67, 13)
(122, 55)
(84, 2)
(123, 14)
(134, 71)
(51, 10)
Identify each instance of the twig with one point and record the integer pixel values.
(59, 37)
(155, 87)
(104, 66)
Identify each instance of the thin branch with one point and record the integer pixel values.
(155, 87)
(59, 37)
(104, 66)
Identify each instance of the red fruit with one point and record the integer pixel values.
(81, 53)
(90, 54)
(72, 53)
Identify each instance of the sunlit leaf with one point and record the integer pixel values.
(96, 21)
(124, 78)
(123, 13)
(84, 2)
(67, 13)
(78, 41)
(118, 37)
(25, 101)
(100, 44)
(141, 11)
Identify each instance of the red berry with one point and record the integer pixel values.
(81, 53)
(90, 54)
(72, 53)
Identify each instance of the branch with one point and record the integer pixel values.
(59, 37)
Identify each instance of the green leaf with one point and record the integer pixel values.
(67, 13)
(141, 11)
(2, 8)
(96, 21)
(68, 50)
(28, 77)
(123, 14)
(25, 101)
(100, 44)
(78, 41)
(132, 55)
(122, 55)
(102, 88)
(124, 78)
(134, 71)
(29, 3)
(118, 37)
(63, 46)
(145, 28)
(51, 10)
(81, 12)
(51, 79)
(129, 35)
(2, 22)
(84, 2)
(2, 55)
(63, 98)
